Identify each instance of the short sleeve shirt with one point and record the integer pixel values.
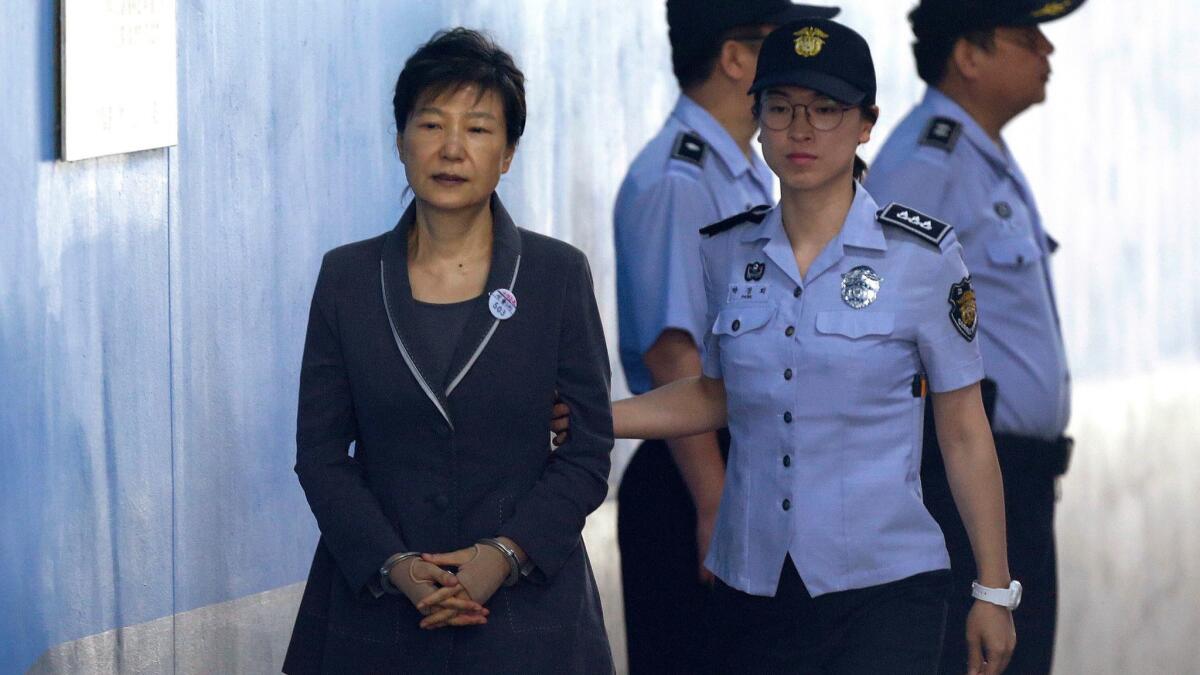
(691, 174)
(939, 160)
(825, 407)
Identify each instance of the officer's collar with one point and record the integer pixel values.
(943, 106)
(693, 116)
(861, 229)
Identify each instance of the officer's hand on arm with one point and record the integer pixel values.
(560, 420)
(418, 580)
(974, 475)
(672, 357)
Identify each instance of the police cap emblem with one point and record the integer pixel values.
(810, 41)
(754, 271)
(860, 287)
(962, 309)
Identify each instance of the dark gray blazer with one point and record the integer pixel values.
(440, 464)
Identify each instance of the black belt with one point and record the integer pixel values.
(1053, 457)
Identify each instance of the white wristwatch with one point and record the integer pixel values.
(1005, 597)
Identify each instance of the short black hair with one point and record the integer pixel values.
(932, 52)
(456, 58)
(694, 71)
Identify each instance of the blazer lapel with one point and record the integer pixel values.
(399, 304)
(481, 326)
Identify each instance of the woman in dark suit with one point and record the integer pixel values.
(436, 350)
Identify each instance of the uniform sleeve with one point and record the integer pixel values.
(948, 323)
(352, 523)
(548, 519)
(711, 357)
(660, 249)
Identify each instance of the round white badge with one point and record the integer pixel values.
(503, 303)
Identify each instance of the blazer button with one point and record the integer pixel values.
(441, 502)
(787, 417)
(787, 461)
(787, 504)
(787, 374)
(736, 325)
(791, 330)
(796, 293)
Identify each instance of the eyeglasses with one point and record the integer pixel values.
(823, 114)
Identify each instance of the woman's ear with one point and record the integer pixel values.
(868, 123)
(509, 152)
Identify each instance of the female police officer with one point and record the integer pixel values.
(829, 319)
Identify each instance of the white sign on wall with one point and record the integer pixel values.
(118, 77)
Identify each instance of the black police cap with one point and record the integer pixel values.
(951, 18)
(818, 54)
(695, 24)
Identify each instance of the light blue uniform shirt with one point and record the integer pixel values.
(975, 184)
(826, 430)
(669, 194)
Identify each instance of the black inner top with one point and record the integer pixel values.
(436, 329)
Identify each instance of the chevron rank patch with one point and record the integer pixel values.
(690, 148)
(754, 215)
(942, 133)
(925, 227)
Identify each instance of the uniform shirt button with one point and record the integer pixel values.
(787, 504)
(787, 374)
(787, 461)
(736, 325)
(791, 330)
(796, 293)
(787, 417)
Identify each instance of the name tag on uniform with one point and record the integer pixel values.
(746, 292)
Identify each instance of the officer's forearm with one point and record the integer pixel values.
(683, 408)
(674, 356)
(974, 476)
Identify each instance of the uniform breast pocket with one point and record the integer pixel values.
(741, 330)
(1014, 253)
(742, 335)
(854, 357)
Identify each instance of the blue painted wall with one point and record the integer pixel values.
(153, 305)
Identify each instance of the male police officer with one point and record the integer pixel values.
(699, 169)
(985, 62)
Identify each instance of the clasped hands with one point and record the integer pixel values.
(446, 598)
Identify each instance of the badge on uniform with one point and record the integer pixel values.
(754, 271)
(502, 303)
(942, 133)
(962, 309)
(690, 148)
(860, 287)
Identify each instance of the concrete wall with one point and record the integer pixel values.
(152, 306)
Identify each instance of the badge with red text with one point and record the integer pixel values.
(503, 303)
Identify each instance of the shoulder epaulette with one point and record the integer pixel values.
(930, 229)
(690, 148)
(754, 215)
(942, 133)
